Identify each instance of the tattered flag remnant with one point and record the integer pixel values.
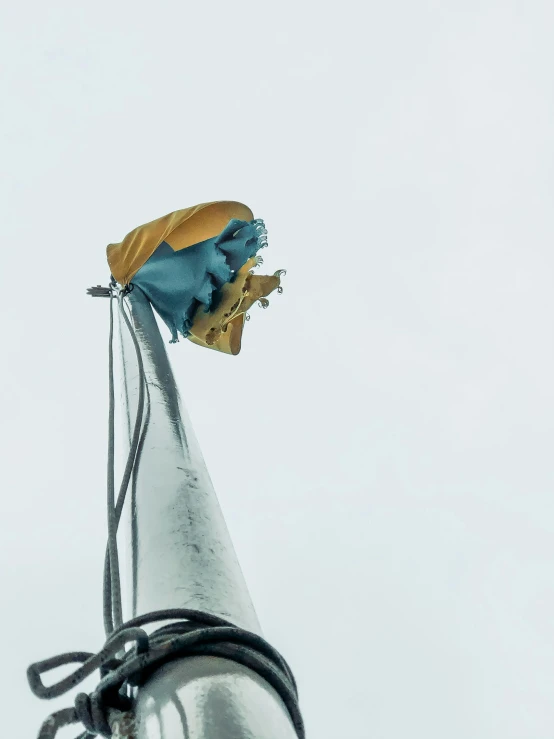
(196, 268)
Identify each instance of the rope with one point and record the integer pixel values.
(112, 586)
(113, 611)
(201, 634)
(195, 633)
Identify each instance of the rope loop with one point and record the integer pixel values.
(195, 634)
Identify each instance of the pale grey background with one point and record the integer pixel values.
(382, 447)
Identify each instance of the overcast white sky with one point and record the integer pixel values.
(393, 410)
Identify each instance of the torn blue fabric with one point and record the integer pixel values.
(177, 283)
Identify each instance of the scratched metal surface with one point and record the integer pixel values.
(179, 552)
(180, 556)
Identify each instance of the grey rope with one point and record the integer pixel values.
(201, 634)
(196, 633)
(112, 586)
(113, 612)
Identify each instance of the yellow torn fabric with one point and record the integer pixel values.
(221, 329)
(179, 229)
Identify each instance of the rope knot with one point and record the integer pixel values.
(108, 711)
(92, 714)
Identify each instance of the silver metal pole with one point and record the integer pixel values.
(180, 555)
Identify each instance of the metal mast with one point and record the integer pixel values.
(180, 555)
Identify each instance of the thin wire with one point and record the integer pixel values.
(112, 584)
(115, 606)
